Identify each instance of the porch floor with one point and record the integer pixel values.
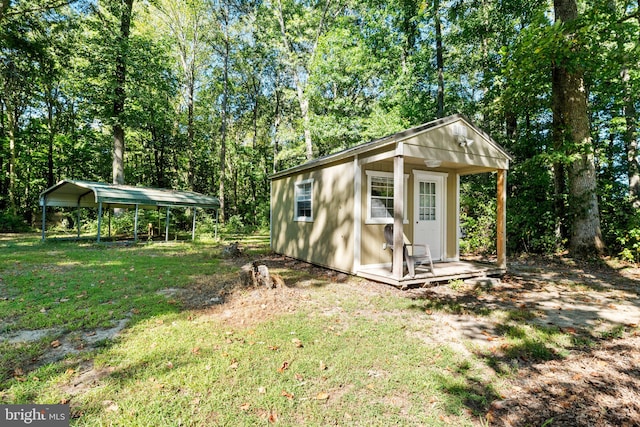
(442, 272)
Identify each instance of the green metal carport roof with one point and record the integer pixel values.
(88, 194)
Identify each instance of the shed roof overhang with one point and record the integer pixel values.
(417, 146)
(87, 194)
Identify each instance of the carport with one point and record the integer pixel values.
(87, 194)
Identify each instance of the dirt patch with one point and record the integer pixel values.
(596, 384)
(64, 344)
(600, 387)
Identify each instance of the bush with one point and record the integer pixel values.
(10, 223)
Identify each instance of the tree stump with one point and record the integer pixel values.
(255, 274)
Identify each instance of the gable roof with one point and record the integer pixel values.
(73, 193)
(389, 140)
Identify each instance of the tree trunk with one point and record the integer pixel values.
(11, 130)
(631, 141)
(50, 138)
(298, 79)
(439, 60)
(190, 124)
(223, 116)
(559, 171)
(120, 93)
(573, 129)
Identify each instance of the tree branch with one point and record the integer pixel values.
(5, 8)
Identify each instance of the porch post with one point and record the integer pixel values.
(398, 214)
(357, 214)
(501, 220)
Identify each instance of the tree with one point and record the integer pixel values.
(188, 23)
(301, 27)
(124, 9)
(573, 135)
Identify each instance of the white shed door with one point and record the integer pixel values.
(429, 221)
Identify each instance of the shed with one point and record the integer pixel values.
(332, 211)
(88, 194)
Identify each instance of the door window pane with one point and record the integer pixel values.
(427, 207)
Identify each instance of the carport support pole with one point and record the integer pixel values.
(99, 220)
(215, 227)
(135, 225)
(193, 228)
(166, 227)
(44, 217)
(78, 219)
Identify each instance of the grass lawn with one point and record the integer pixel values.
(197, 349)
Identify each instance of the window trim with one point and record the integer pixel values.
(296, 193)
(370, 175)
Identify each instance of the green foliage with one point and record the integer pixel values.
(477, 216)
(629, 241)
(11, 223)
(367, 69)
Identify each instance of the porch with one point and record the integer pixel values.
(442, 273)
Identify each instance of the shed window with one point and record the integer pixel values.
(380, 197)
(304, 202)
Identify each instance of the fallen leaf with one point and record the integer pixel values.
(298, 377)
(169, 365)
(297, 342)
(283, 367)
(245, 406)
(110, 406)
(135, 311)
(234, 364)
(287, 394)
(262, 390)
(322, 396)
(273, 417)
(273, 347)
(55, 344)
(195, 350)
(323, 367)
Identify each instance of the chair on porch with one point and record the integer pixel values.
(420, 258)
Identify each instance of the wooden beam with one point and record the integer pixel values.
(398, 216)
(501, 219)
